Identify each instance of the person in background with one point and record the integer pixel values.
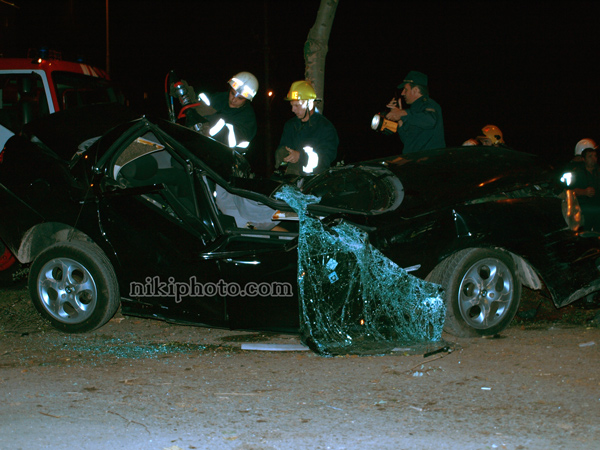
(581, 146)
(577, 162)
(586, 186)
(491, 137)
(309, 140)
(421, 126)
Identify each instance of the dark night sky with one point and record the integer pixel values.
(523, 66)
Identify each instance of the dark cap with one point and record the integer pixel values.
(414, 77)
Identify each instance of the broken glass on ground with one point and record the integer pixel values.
(355, 300)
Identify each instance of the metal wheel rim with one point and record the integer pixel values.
(67, 290)
(486, 293)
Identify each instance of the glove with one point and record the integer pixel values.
(205, 110)
(294, 169)
(280, 154)
(205, 129)
(195, 120)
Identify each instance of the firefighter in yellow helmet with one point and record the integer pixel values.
(309, 141)
(492, 136)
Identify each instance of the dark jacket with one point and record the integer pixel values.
(243, 119)
(317, 133)
(423, 126)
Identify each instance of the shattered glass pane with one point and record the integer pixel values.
(353, 299)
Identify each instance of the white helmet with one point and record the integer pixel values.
(245, 84)
(470, 142)
(583, 144)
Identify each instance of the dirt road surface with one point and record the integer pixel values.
(145, 384)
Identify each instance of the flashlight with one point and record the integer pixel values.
(380, 123)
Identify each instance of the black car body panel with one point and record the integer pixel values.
(143, 192)
(469, 197)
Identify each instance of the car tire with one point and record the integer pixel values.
(482, 291)
(73, 285)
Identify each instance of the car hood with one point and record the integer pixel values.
(421, 182)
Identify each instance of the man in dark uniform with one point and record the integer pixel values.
(586, 185)
(309, 141)
(420, 127)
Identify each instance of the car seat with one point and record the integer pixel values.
(140, 171)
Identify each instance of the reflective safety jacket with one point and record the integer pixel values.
(423, 126)
(238, 125)
(316, 140)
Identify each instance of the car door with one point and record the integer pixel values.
(258, 267)
(259, 279)
(149, 213)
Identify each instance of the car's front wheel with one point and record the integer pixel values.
(482, 291)
(74, 286)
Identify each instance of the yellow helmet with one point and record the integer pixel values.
(301, 90)
(493, 133)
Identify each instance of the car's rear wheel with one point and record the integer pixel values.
(482, 291)
(73, 285)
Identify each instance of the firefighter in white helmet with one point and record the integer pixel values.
(581, 146)
(230, 116)
(577, 163)
(245, 86)
(586, 186)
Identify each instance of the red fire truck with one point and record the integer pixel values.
(42, 84)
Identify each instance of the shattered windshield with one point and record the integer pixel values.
(354, 300)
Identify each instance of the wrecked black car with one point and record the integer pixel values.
(111, 215)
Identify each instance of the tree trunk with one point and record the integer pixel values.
(315, 48)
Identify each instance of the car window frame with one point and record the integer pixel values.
(158, 196)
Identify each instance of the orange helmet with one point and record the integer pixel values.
(493, 133)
